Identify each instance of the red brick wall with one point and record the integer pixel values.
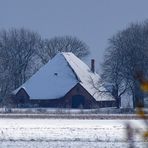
(66, 102)
(90, 102)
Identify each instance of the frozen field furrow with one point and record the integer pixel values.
(42, 133)
(69, 144)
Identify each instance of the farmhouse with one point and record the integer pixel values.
(66, 82)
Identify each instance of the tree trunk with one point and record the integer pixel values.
(118, 102)
(138, 95)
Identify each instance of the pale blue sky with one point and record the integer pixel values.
(93, 21)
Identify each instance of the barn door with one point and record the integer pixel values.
(78, 101)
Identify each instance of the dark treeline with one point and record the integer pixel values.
(23, 52)
(125, 64)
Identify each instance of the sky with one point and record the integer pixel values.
(92, 21)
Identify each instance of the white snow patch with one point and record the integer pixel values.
(66, 133)
(52, 81)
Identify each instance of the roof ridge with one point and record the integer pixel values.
(72, 68)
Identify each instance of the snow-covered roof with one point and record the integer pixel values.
(59, 76)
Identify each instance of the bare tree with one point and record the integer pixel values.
(126, 56)
(49, 48)
(17, 47)
(112, 76)
(22, 52)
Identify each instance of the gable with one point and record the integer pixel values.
(78, 89)
(22, 94)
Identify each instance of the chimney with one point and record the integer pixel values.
(93, 65)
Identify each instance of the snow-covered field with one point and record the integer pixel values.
(56, 133)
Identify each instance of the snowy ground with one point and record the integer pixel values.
(56, 133)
